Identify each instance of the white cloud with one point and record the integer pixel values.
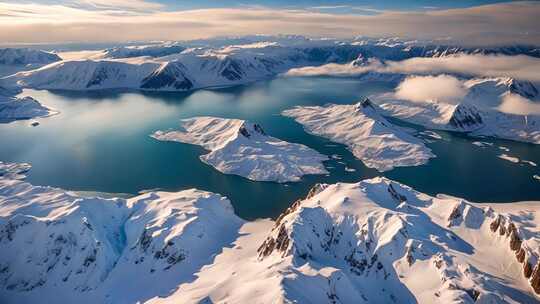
(519, 67)
(441, 88)
(122, 20)
(517, 104)
(331, 69)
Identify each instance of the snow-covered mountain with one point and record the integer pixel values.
(65, 248)
(243, 148)
(16, 108)
(367, 134)
(207, 63)
(157, 50)
(23, 56)
(376, 241)
(482, 111)
(182, 72)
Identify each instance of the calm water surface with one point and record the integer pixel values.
(100, 142)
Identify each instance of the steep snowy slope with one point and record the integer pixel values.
(180, 72)
(482, 111)
(225, 62)
(15, 108)
(22, 56)
(243, 148)
(376, 241)
(368, 135)
(86, 75)
(64, 248)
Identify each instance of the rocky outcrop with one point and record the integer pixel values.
(524, 88)
(169, 76)
(504, 227)
(466, 117)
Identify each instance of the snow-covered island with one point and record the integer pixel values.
(376, 241)
(367, 134)
(243, 148)
(14, 108)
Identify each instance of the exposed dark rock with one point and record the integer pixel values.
(527, 269)
(231, 70)
(259, 129)
(168, 76)
(98, 77)
(515, 241)
(535, 278)
(244, 131)
(466, 117)
(520, 255)
(495, 224)
(524, 88)
(398, 197)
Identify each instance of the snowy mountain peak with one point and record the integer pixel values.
(369, 136)
(492, 88)
(376, 231)
(466, 117)
(170, 75)
(375, 241)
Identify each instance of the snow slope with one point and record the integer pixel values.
(368, 135)
(14, 108)
(479, 112)
(224, 62)
(23, 56)
(65, 248)
(243, 148)
(376, 241)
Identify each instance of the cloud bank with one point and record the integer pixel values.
(517, 104)
(123, 20)
(519, 67)
(450, 90)
(442, 88)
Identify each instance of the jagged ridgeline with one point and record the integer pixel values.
(376, 241)
(197, 64)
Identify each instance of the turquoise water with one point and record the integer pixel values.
(99, 142)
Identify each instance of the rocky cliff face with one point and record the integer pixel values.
(168, 76)
(466, 117)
